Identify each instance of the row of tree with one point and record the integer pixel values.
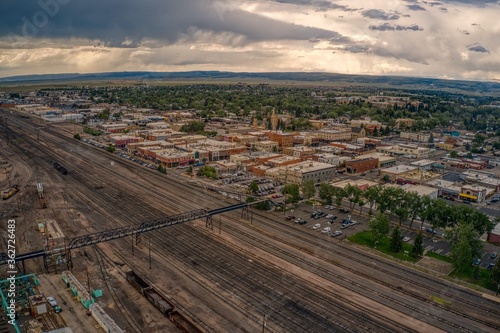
(407, 205)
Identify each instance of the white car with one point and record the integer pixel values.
(336, 233)
(51, 301)
(406, 239)
(326, 230)
(316, 226)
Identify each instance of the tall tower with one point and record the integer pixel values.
(255, 123)
(274, 121)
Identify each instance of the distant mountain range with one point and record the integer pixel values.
(388, 82)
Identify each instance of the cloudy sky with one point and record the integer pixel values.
(458, 39)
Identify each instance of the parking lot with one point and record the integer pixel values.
(432, 239)
(341, 224)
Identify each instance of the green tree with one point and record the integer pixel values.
(111, 148)
(339, 194)
(402, 206)
(361, 202)
(325, 193)
(465, 245)
(162, 169)
(193, 127)
(77, 136)
(453, 154)
(370, 195)
(379, 227)
(495, 274)
(308, 189)
(461, 255)
(253, 187)
(414, 204)
(352, 193)
(292, 193)
(263, 205)
(386, 178)
(431, 138)
(396, 242)
(417, 249)
(189, 170)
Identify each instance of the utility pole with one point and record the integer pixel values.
(149, 251)
(284, 193)
(220, 218)
(264, 323)
(88, 281)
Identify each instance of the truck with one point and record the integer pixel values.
(6, 194)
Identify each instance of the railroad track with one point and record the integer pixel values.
(101, 257)
(367, 260)
(337, 278)
(140, 215)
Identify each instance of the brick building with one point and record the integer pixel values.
(361, 165)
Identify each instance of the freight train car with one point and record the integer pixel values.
(183, 323)
(60, 168)
(161, 303)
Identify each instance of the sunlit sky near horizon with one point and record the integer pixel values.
(454, 39)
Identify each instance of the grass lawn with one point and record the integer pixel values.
(483, 280)
(365, 238)
(438, 256)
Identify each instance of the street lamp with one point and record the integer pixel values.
(313, 207)
(349, 216)
(434, 240)
(292, 213)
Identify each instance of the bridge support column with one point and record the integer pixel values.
(209, 222)
(69, 261)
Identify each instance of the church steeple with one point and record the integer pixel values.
(274, 121)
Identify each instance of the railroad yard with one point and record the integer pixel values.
(258, 273)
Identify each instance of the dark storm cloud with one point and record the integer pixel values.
(477, 48)
(397, 27)
(415, 7)
(126, 23)
(321, 5)
(357, 49)
(380, 15)
(432, 3)
(474, 2)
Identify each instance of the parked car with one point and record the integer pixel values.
(493, 255)
(406, 239)
(336, 233)
(477, 262)
(326, 230)
(53, 304)
(344, 226)
(491, 265)
(316, 226)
